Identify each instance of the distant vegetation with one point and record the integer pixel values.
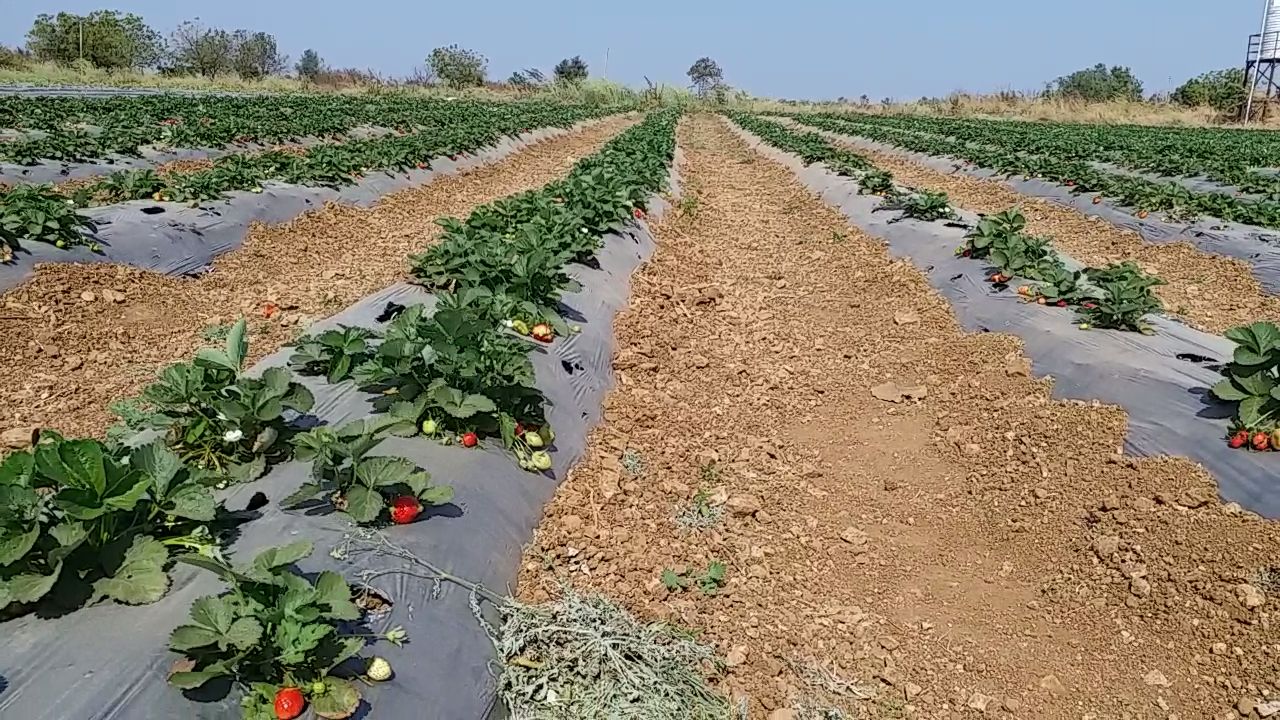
(1098, 84)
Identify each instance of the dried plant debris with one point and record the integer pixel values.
(582, 657)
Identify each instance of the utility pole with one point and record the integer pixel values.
(82, 38)
(605, 75)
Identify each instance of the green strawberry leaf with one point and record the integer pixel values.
(140, 578)
(14, 545)
(31, 587)
(333, 591)
(194, 502)
(193, 680)
(339, 700)
(364, 505)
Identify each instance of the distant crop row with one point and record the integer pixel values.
(1227, 156)
(42, 213)
(83, 129)
(1011, 158)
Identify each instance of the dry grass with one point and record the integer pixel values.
(594, 91)
(1023, 107)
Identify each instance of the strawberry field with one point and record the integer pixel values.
(384, 406)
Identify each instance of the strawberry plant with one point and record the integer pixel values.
(1124, 299)
(991, 228)
(1252, 378)
(129, 185)
(346, 478)
(36, 212)
(810, 147)
(273, 629)
(925, 205)
(79, 522)
(220, 419)
(875, 182)
(333, 353)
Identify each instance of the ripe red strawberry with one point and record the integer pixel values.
(638, 213)
(289, 703)
(1261, 441)
(519, 429)
(405, 509)
(469, 439)
(1239, 439)
(1062, 303)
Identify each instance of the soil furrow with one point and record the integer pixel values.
(976, 545)
(76, 338)
(1211, 292)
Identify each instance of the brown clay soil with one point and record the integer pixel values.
(76, 338)
(980, 549)
(1212, 292)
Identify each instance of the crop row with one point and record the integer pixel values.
(1116, 296)
(42, 213)
(1228, 157)
(83, 520)
(1140, 193)
(72, 129)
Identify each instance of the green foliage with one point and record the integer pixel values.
(570, 70)
(1125, 298)
(1252, 378)
(811, 147)
(310, 65)
(705, 75)
(221, 420)
(1222, 90)
(345, 477)
(1099, 84)
(36, 212)
(924, 205)
(991, 228)
(458, 67)
(106, 39)
(332, 353)
(14, 58)
(199, 50)
(256, 55)
(130, 185)
(1067, 153)
(80, 522)
(875, 182)
(708, 581)
(273, 628)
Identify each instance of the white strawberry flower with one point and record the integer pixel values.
(231, 436)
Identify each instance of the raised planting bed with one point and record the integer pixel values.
(1258, 246)
(162, 234)
(346, 474)
(1162, 376)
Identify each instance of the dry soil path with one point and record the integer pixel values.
(982, 547)
(75, 338)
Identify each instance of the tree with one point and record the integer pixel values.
(310, 65)
(1223, 90)
(200, 50)
(705, 74)
(1098, 84)
(256, 55)
(458, 67)
(105, 38)
(572, 69)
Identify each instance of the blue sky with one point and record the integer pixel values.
(795, 48)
